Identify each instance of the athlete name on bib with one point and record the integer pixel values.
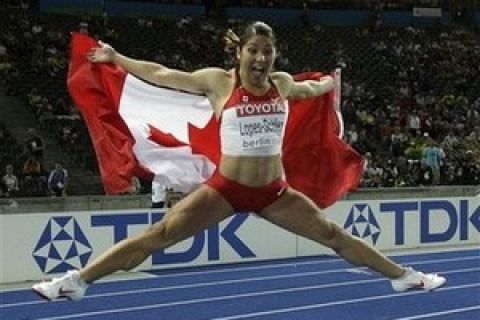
(261, 124)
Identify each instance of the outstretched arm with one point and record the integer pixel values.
(201, 81)
(302, 89)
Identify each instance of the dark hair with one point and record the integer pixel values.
(232, 41)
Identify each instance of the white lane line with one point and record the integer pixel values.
(440, 313)
(250, 315)
(295, 264)
(242, 280)
(335, 303)
(233, 269)
(119, 276)
(192, 285)
(248, 268)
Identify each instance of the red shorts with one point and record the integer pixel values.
(244, 198)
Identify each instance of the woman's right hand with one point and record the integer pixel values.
(104, 53)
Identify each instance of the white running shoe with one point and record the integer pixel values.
(417, 280)
(69, 286)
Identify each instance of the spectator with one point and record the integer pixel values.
(432, 157)
(397, 139)
(450, 141)
(58, 180)
(164, 195)
(373, 173)
(469, 171)
(35, 145)
(135, 186)
(158, 194)
(425, 174)
(32, 177)
(386, 131)
(413, 123)
(402, 166)
(449, 176)
(10, 183)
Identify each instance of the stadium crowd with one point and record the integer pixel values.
(410, 97)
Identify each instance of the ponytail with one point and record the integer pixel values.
(232, 41)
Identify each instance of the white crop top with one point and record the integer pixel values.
(253, 125)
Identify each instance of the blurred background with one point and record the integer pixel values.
(410, 91)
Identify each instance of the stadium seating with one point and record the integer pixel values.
(439, 63)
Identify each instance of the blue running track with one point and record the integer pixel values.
(319, 288)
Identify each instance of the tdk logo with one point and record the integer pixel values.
(460, 217)
(435, 221)
(209, 239)
(362, 223)
(62, 246)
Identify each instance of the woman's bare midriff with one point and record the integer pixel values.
(251, 171)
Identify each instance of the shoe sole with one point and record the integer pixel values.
(41, 295)
(420, 287)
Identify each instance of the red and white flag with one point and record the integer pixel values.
(171, 136)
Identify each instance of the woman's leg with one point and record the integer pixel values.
(298, 214)
(199, 210)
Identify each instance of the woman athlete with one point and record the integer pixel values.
(250, 103)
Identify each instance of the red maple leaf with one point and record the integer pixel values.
(204, 141)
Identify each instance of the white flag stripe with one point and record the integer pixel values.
(141, 107)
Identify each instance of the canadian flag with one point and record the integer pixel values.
(172, 137)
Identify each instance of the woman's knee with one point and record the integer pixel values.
(337, 237)
(163, 233)
(137, 249)
(157, 237)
